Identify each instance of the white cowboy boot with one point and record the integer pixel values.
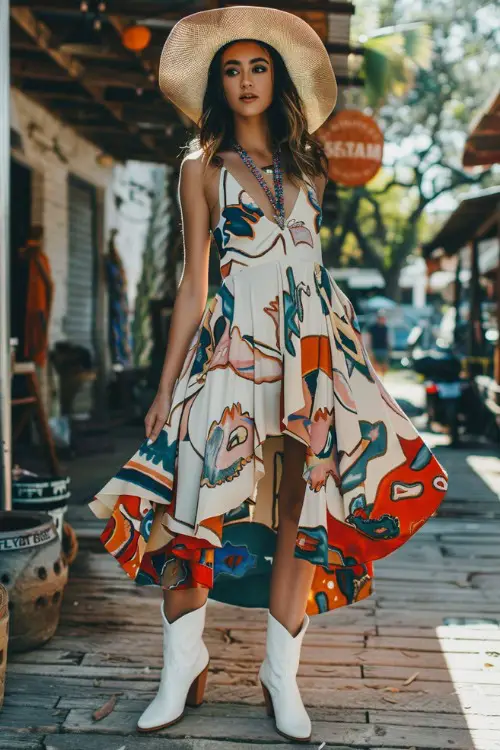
(278, 678)
(184, 672)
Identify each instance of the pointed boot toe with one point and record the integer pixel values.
(294, 724)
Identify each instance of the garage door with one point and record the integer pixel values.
(80, 318)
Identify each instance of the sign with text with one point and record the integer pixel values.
(23, 539)
(354, 145)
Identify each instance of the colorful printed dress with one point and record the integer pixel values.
(278, 351)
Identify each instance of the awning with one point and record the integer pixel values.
(482, 147)
(464, 223)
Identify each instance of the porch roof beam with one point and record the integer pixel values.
(42, 35)
(96, 77)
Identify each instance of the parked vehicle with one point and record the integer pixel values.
(448, 394)
(401, 319)
(420, 339)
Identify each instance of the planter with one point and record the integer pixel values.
(4, 637)
(34, 573)
(42, 494)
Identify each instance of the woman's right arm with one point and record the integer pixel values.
(192, 291)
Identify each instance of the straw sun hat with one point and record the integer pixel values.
(195, 39)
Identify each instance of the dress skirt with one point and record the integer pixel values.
(278, 351)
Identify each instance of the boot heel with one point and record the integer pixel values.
(268, 700)
(197, 690)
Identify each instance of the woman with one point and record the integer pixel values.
(276, 466)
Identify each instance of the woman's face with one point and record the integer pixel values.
(246, 68)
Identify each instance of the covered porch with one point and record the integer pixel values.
(470, 237)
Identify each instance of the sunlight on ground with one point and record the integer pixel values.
(488, 468)
(471, 649)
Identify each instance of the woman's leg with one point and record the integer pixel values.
(291, 577)
(179, 603)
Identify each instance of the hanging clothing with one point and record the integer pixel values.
(40, 292)
(278, 351)
(118, 310)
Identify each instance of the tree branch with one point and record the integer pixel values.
(458, 177)
(381, 229)
(392, 183)
(369, 253)
(336, 243)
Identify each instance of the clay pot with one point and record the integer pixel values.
(42, 494)
(4, 638)
(34, 572)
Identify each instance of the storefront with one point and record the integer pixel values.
(58, 185)
(73, 188)
(470, 238)
(482, 148)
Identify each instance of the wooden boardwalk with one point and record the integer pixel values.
(415, 666)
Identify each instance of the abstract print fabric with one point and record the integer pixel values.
(278, 351)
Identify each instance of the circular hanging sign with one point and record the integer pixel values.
(354, 145)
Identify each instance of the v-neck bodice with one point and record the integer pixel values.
(245, 236)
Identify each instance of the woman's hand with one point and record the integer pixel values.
(157, 415)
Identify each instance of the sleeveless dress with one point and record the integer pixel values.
(278, 351)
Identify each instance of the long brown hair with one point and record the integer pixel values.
(301, 152)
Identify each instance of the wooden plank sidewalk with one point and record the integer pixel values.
(415, 666)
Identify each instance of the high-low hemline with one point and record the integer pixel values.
(278, 351)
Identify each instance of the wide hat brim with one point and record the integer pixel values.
(195, 39)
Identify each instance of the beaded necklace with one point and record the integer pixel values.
(277, 203)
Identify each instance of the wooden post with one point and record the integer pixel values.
(457, 296)
(5, 408)
(475, 343)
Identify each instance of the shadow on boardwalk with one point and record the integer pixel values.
(415, 666)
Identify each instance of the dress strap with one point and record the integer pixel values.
(222, 189)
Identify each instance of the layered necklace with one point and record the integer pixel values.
(277, 202)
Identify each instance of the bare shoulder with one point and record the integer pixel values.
(206, 174)
(199, 178)
(192, 166)
(192, 175)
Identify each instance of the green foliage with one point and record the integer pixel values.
(392, 57)
(382, 223)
